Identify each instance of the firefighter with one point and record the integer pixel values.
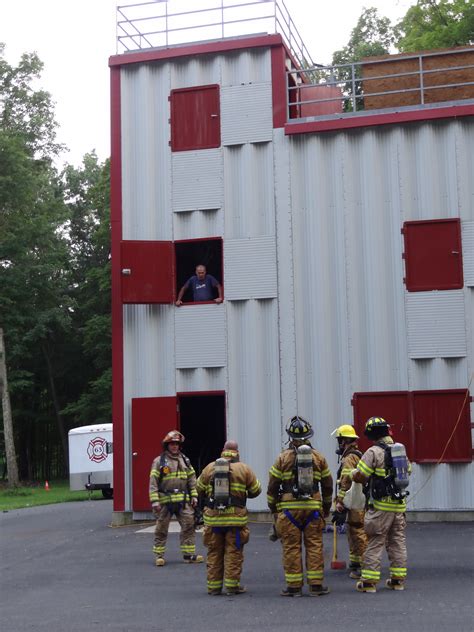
(173, 492)
(385, 519)
(349, 456)
(225, 486)
(294, 498)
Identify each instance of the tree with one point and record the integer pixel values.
(373, 35)
(436, 24)
(34, 303)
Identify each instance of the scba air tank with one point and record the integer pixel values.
(221, 483)
(399, 465)
(304, 469)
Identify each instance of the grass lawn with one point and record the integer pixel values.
(32, 495)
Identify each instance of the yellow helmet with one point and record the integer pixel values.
(345, 432)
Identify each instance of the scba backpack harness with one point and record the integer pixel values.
(396, 478)
(303, 486)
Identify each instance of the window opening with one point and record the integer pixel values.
(190, 254)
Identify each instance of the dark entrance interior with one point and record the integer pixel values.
(189, 254)
(202, 421)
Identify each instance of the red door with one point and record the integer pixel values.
(195, 118)
(152, 418)
(436, 414)
(433, 256)
(394, 406)
(147, 271)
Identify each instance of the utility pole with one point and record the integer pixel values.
(12, 467)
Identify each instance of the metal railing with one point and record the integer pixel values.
(416, 81)
(165, 23)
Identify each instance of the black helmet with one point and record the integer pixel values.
(299, 428)
(376, 425)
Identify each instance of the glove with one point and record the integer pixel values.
(339, 517)
(156, 508)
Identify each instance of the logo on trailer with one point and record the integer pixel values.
(97, 450)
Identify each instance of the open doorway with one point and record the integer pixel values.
(202, 421)
(193, 252)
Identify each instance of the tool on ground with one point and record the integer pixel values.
(337, 565)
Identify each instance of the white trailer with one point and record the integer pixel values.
(90, 458)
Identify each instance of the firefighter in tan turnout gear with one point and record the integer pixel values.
(385, 469)
(349, 456)
(226, 484)
(294, 495)
(173, 492)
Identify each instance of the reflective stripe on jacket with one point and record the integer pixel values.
(371, 463)
(178, 480)
(243, 484)
(282, 473)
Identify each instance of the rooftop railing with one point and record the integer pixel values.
(165, 23)
(397, 81)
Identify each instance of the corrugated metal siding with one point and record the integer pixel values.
(349, 194)
(254, 385)
(250, 268)
(198, 225)
(201, 380)
(146, 156)
(200, 336)
(249, 204)
(246, 66)
(197, 180)
(467, 230)
(246, 113)
(436, 324)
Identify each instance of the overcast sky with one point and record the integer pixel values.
(74, 39)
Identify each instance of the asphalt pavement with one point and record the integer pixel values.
(64, 569)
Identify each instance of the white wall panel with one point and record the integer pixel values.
(146, 155)
(467, 231)
(198, 224)
(200, 336)
(246, 66)
(254, 385)
(246, 113)
(250, 268)
(201, 380)
(436, 324)
(249, 190)
(197, 180)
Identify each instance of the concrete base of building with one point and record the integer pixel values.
(122, 518)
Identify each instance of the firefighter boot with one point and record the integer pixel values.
(291, 591)
(193, 559)
(317, 590)
(238, 590)
(214, 592)
(159, 561)
(355, 570)
(366, 587)
(395, 584)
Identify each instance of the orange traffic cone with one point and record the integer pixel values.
(46, 486)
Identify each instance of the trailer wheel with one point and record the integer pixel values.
(108, 493)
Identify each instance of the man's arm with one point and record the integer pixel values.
(181, 293)
(219, 299)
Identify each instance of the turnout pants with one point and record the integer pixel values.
(225, 555)
(385, 529)
(356, 537)
(292, 540)
(187, 536)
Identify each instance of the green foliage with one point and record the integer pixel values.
(373, 35)
(54, 276)
(436, 24)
